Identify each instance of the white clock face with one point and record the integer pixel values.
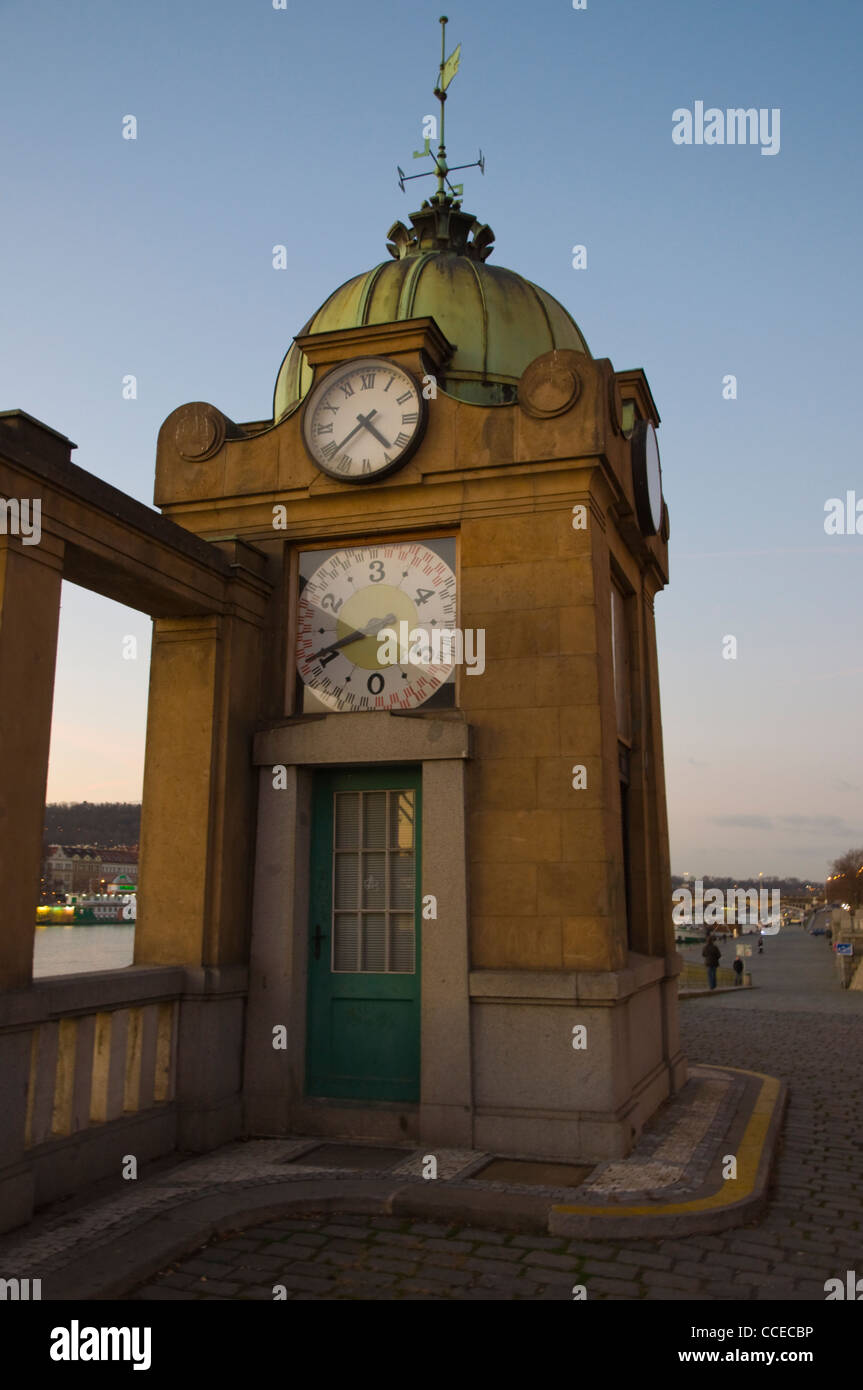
(646, 477)
(363, 419)
(654, 479)
(349, 599)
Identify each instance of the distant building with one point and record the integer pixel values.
(120, 862)
(120, 885)
(87, 868)
(72, 868)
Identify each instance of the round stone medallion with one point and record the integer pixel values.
(199, 431)
(550, 385)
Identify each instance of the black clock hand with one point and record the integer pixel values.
(356, 429)
(354, 636)
(364, 419)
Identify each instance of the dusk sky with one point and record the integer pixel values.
(260, 126)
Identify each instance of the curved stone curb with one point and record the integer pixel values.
(752, 1137)
(114, 1267)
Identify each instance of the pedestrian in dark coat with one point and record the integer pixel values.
(712, 956)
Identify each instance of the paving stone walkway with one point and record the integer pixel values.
(798, 1025)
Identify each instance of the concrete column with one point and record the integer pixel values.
(197, 832)
(274, 1076)
(210, 1057)
(173, 887)
(446, 1111)
(30, 582)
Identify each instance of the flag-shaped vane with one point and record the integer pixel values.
(450, 68)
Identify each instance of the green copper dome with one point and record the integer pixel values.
(497, 321)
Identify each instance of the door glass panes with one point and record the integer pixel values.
(348, 821)
(374, 879)
(346, 939)
(375, 942)
(374, 819)
(402, 880)
(401, 820)
(346, 884)
(403, 938)
(374, 882)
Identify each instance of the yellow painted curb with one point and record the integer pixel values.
(749, 1154)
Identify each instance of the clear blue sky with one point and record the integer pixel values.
(259, 126)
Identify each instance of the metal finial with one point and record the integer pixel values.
(446, 192)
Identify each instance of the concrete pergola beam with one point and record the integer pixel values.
(209, 603)
(112, 543)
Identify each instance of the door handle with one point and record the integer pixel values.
(318, 937)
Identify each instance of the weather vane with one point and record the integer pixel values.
(448, 70)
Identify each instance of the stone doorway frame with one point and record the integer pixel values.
(274, 1081)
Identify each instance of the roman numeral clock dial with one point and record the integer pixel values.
(348, 600)
(363, 419)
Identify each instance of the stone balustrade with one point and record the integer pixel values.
(89, 1075)
(88, 1068)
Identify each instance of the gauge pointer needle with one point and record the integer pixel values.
(366, 420)
(372, 629)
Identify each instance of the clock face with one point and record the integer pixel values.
(647, 477)
(363, 419)
(349, 598)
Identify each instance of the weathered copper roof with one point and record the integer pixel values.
(497, 321)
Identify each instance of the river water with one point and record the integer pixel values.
(72, 950)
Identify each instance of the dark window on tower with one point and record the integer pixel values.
(623, 766)
(622, 663)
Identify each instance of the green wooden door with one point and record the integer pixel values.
(363, 1037)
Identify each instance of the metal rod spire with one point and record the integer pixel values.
(441, 96)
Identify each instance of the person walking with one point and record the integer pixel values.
(712, 956)
(737, 967)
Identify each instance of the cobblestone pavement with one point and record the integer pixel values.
(798, 1025)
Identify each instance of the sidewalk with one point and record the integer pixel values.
(105, 1245)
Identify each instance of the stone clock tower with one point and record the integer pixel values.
(434, 783)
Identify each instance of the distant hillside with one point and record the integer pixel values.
(104, 823)
(791, 887)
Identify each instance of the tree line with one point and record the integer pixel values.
(846, 881)
(792, 887)
(104, 823)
